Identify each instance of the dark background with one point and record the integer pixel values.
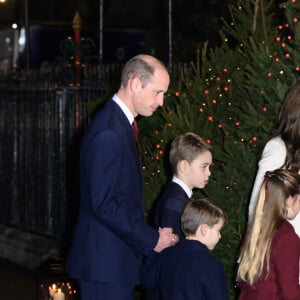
(193, 21)
(133, 24)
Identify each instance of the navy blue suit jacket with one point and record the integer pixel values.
(169, 208)
(111, 235)
(187, 271)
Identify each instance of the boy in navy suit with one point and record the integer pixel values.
(190, 160)
(188, 271)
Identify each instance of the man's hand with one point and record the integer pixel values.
(166, 239)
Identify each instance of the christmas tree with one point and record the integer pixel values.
(230, 95)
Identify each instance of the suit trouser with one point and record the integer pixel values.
(91, 290)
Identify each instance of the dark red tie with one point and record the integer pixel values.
(135, 131)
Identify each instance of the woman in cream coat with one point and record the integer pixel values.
(282, 150)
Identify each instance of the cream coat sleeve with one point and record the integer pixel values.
(273, 157)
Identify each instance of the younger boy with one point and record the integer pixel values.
(190, 160)
(188, 271)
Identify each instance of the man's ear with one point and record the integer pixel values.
(134, 84)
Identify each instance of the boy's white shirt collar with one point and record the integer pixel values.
(124, 108)
(187, 190)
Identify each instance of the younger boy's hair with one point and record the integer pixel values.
(200, 211)
(187, 147)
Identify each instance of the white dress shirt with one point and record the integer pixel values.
(188, 191)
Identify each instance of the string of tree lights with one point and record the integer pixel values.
(231, 96)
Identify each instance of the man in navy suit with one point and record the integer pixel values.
(111, 235)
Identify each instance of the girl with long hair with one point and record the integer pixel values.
(269, 259)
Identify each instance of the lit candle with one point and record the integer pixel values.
(52, 290)
(59, 295)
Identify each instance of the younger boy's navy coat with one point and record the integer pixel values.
(187, 271)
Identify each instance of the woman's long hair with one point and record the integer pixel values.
(288, 127)
(270, 212)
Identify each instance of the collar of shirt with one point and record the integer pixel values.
(124, 108)
(188, 191)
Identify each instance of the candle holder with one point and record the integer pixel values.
(57, 290)
(55, 284)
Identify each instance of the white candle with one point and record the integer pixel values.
(52, 290)
(59, 295)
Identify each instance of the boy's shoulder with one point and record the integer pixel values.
(188, 248)
(193, 254)
(172, 188)
(174, 197)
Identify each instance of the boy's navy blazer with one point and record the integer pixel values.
(170, 206)
(111, 233)
(187, 271)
